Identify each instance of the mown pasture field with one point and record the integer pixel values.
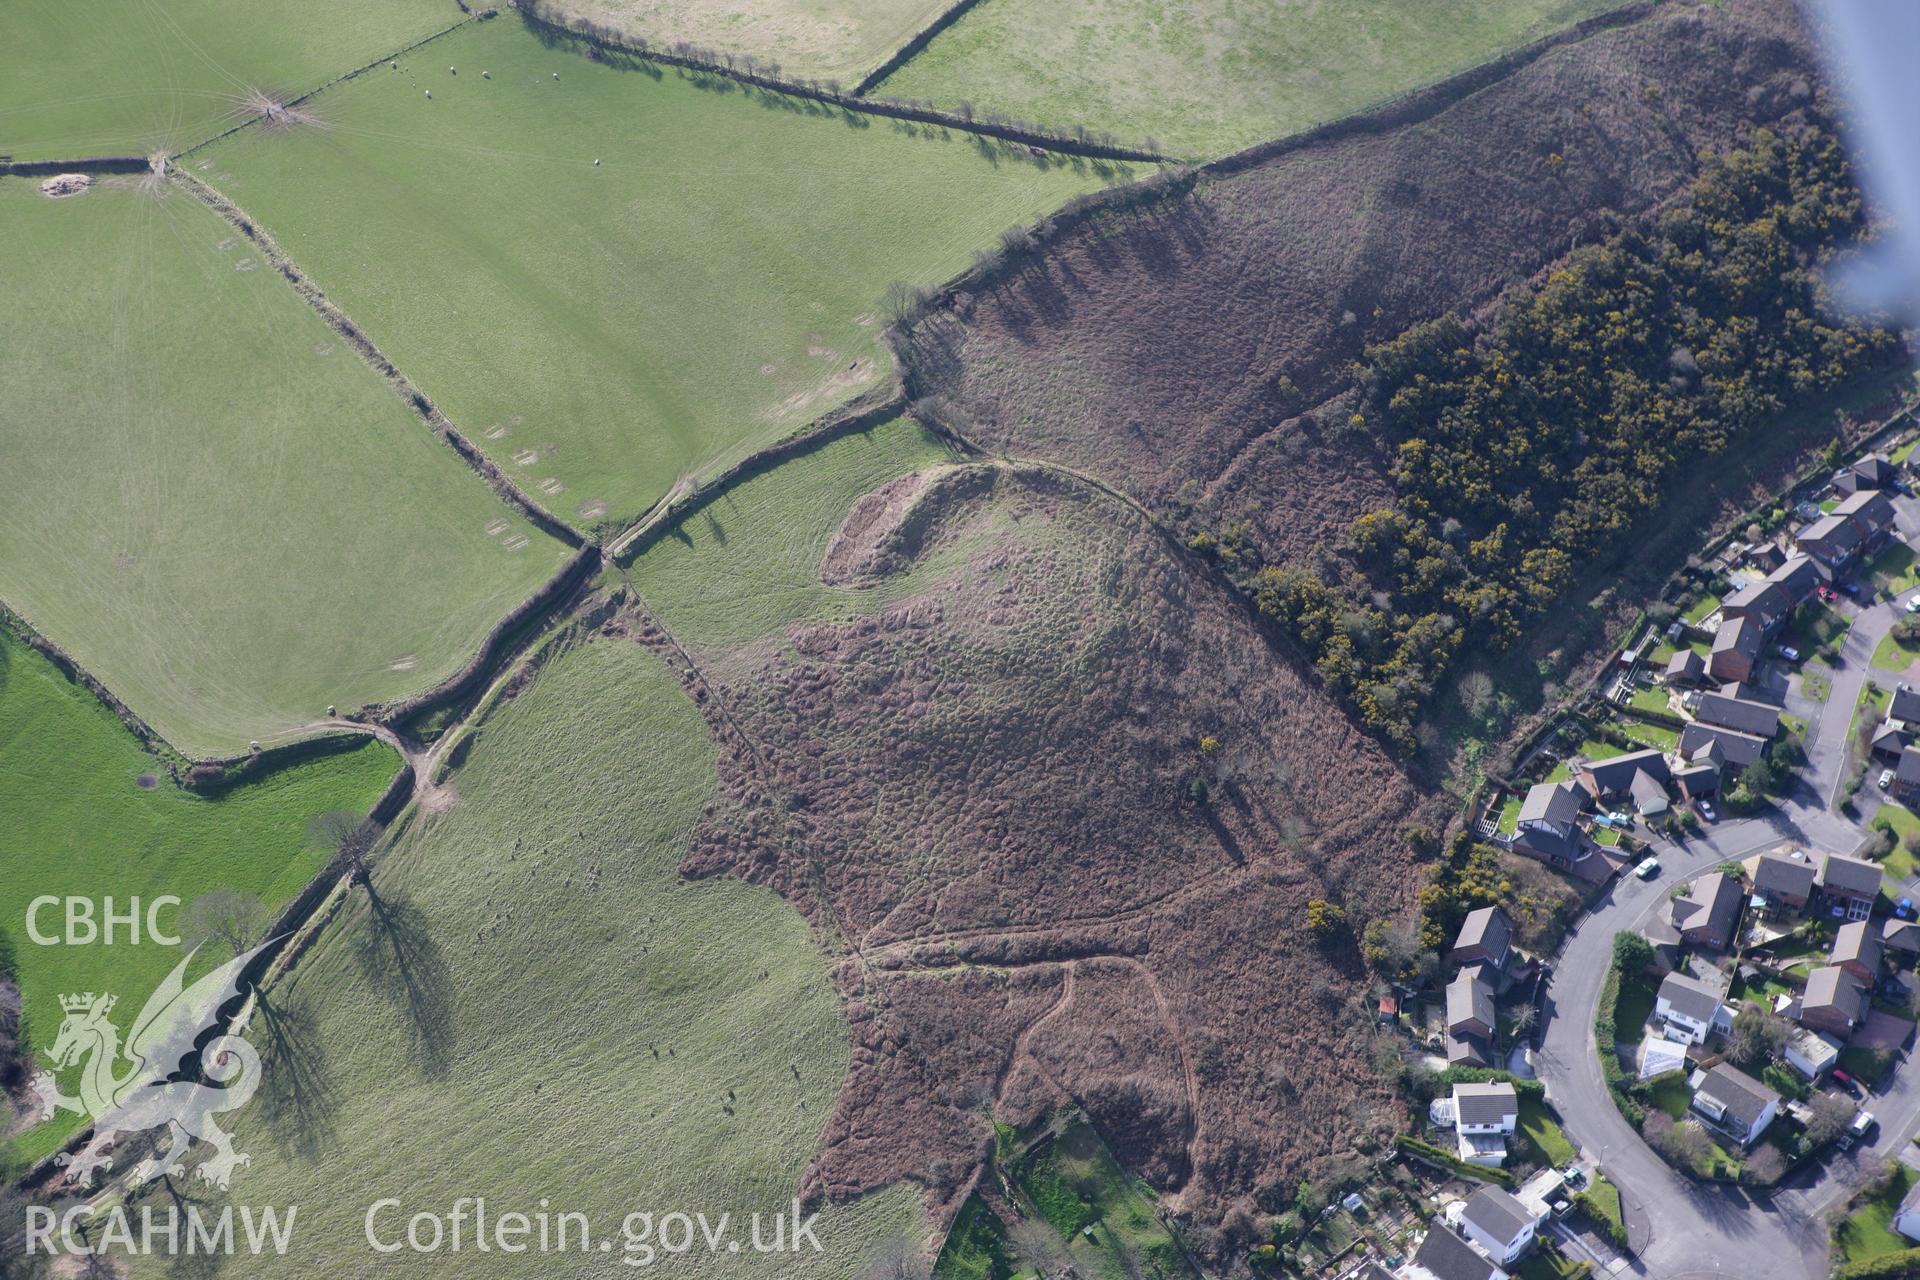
(108, 77)
(537, 1005)
(1209, 77)
(842, 39)
(86, 810)
(713, 282)
(207, 499)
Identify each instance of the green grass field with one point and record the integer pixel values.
(818, 38)
(75, 820)
(1104, 1217)
(542, 1007)
(207, 500)
(107, 77)
(715, 282)
(1205, 79)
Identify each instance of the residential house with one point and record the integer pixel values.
(1734, 1104)
(1685, 669)
(1486, 936)
(1689, 1009)
(1666, 944)
(1548, 827)
(1707, 911)
(1856, 948)
(1905, 706)
(1465, 1050)
(1901, 939)
(1834, 1002)
(1470, 1006)
(1834, 540)
(1811, 1053)
(1726, 709)
(1494, 1219)
(1639, 777)
(1737, 750)
(1781, 886)
(1766, 556)
(1869, 512)
(1798, 576)
(1906, 773)
(1869, 473)
(1737, 646)
(1445, 1255)
(1485, 1117)
(1764, 602)
(1698, 773)
(1889, 740)
(1849, 886)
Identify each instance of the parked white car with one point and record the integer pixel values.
(1648, 868)
(1886, 779)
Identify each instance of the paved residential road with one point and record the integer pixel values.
(1701, 1231)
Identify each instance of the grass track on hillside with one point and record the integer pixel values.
(121, 77)
(207, 500)
(1208, 78)
(581, 1024)
(714, 283)
(74, 820)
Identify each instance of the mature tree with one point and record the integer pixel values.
(1757, 1036)
(1631, 952)
(224, 918)
(1832, 1113)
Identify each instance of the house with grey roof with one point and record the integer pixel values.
(1798, 576)
(1495, 1220)
(1726, 709)
(1856, 948)
(1764, 603)
(1834, 1002)
(1445, 1255)
(1737, 750)
(1734, 1104)
(1905, 706)
(1485, 937)
(1872, 472)
(1548, 825)
(1848, 886)
(1782, 886)
(1689, 1009)
(1901, 938)
(1485, 1116)
(1869, 512)
(1736, 650)
(1639, 778)
(1470, 1009)
(1906, 772)
(1685, 669)
(1834, 540)
(1707, 911)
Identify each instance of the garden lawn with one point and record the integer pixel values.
(1509, 816)
(1649, 734)
(555, 1012)
(615, 279)
(1816, 630)
(75, 819)
(1895, 570)
(1891, 655)
(1651, 698)
(1702, 607)
(208, 501)
(1546, 1144)
(1208, 78)
(1868, 1232)
(1899, 865)
(105, 77)
(1606, 1199)
(1671, 1095)
(1634, 1008)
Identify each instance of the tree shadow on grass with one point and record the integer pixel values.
(401, 960)
(297, 1091)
